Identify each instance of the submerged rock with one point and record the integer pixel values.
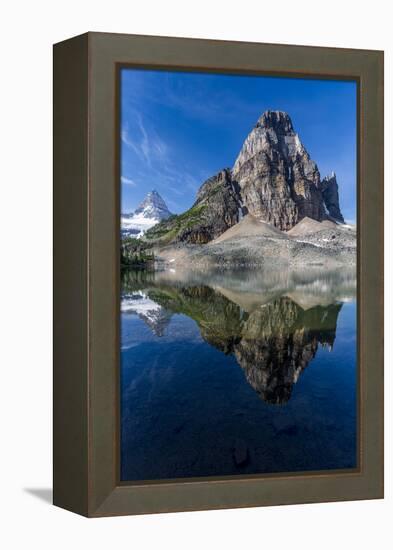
(240, 452)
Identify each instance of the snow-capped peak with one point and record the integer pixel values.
(151, 211)
(153, 206)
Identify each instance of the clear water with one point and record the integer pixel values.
(237, 372)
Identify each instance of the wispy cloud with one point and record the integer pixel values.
(129, 142)
(198, 102)
(127, 181)
(155, 157)
(145, 143)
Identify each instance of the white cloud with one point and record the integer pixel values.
(159, 166)
(144, 142)
(126, 139)
(127, 181)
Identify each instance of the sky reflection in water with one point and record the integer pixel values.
(237, 372)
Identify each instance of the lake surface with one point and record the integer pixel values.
(237, 372)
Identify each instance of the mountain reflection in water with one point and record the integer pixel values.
(271, 323)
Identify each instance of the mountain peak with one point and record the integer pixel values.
(153, 206)
(153, 193)
(279, 182)
(280, 121)
(274, 136)
(152, 210)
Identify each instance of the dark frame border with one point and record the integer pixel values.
(86, 129)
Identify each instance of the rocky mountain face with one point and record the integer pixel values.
(151, 211)
(279, 182)
(273, 178)
(329, 189)
(215, 210)
(219, 201)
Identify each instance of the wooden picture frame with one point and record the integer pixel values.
(86, 274)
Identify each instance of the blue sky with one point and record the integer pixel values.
(178, 129)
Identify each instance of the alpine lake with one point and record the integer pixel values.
(234, 372)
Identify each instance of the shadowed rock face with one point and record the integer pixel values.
(219, 203)
(215, 210)
(272, 342)
(329, 188)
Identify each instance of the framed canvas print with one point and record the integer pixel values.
(218, 274)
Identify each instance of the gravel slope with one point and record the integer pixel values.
(251, 243)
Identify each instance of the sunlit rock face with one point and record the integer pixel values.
(279, 182)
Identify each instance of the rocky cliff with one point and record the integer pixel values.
(219, 197)
(273, 178)
(329, 189)
(215, 210)
(279, 182)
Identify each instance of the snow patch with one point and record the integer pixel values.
(138, 303)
